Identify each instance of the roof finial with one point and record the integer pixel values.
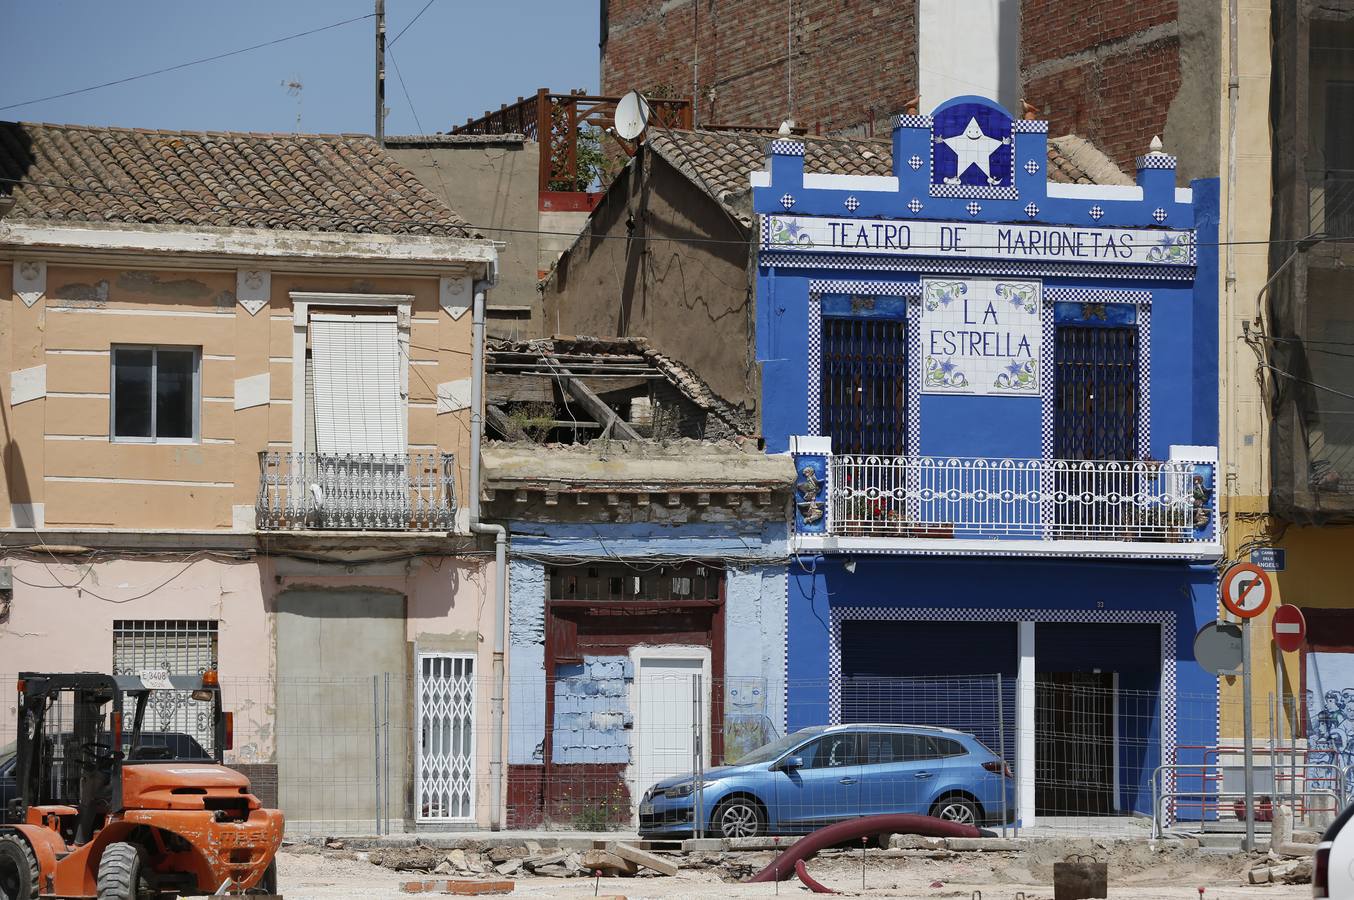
(1156, 144)
(910, 107)
(787, 128)
(1028, 110)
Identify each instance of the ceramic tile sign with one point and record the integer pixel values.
(981, 336)
(979, 240)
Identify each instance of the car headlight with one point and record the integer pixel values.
(687, 789)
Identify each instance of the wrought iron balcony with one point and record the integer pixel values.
(1039, 499)
(359, 491)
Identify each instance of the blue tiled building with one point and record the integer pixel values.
(1000, 394)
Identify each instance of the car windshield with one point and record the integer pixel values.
(768, 752)
(164, 745)
(7, 752)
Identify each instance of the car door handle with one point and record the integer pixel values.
(847, 781)
(922, 774)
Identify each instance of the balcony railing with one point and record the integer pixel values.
(358, 491)
(918, 496)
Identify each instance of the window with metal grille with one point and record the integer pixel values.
(179, 647)
(864, 386)
(615, 581)
(1096, 391)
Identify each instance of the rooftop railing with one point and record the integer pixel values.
(357, 491)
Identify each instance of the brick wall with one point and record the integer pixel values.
(855, 61)
(1103, 69)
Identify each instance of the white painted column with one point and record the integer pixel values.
(1025, 727)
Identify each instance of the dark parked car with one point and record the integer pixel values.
(826, 774)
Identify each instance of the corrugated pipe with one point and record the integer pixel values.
(500, 554)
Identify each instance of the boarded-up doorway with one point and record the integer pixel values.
(330, 644)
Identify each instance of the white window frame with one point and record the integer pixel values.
(113, 436)
(302, 303)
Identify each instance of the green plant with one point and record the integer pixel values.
(536, 419)
(591, 164)
(608, 815)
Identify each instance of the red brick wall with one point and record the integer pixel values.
(855, 61)
(1103, 69)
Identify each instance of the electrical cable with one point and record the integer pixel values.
(410, 25)
(185, 65)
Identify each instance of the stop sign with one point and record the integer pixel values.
(1290, 628)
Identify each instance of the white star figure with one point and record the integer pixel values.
(973, 149)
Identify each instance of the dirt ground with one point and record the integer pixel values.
(1135, 872)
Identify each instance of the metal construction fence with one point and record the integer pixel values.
(1089, 752)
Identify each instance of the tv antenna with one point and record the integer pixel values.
(294, 90)
(632, 115)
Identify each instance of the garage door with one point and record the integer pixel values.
(932, 673)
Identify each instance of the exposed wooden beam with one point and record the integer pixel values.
(617, 426)
(505, 426)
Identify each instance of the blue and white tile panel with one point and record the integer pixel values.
(873, 288)
(981, 191)
(815, 386)
(1029, 126)
(1096, 295)
(786, 148)
(1144, 380)
(912, 121)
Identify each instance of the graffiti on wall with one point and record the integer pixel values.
(746, 723)
(1330, 712)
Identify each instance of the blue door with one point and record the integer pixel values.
(824, 789)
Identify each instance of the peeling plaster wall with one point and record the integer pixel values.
(754, 658)
(526, 640)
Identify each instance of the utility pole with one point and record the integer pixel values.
(381, 72)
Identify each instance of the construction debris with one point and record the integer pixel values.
(1298, 871)
(459, 888)
(640, 857)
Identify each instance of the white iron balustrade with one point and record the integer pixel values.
(357, 491)
(1058, 499)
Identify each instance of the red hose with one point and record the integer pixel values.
(853, 829)
(808, 879)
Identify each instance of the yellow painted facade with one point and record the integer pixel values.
(57, 447)
(1317, 557)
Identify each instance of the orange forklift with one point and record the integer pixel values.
(103, 807)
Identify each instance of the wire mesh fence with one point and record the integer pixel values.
(681, 755)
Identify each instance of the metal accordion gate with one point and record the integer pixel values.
(444, 786)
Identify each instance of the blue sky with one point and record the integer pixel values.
(459, 59)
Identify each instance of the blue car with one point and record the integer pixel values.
(830, 773)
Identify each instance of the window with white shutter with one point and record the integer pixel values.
(359, 407)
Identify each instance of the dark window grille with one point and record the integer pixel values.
(864, 389)
(609, 582)
(1096, 378)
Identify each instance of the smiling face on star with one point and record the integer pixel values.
(974, 130)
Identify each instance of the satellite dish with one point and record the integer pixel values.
(632, 115)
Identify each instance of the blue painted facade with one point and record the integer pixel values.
(984, 260)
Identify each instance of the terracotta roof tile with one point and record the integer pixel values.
(77, 173)
(719, 162)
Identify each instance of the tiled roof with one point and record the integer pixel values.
(719, 162)
(76, 173)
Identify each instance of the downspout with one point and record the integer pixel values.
(500, 553)
(1228, 438)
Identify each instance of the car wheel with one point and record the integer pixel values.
(19, 872)
(956, 809)
(739, 817)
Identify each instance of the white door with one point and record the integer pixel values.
(445, 774)
(664, 714)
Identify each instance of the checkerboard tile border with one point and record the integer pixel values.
(981, 191)
(1096, 295)
(1046, 386)
(815, 386)
(911, 121)
(1165, 618)
(797, 260)
(1029, 126)
(1156, 161)
(786, 148)
(1145, 380)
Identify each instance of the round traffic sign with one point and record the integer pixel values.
(1246, 590)
(1290, 628)
(1217, 647)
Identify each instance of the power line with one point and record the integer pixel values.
(411, 23)
(184, 65)
(1314, 384)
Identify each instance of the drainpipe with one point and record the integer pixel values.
(500, 553)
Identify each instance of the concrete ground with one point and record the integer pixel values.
(1135, 872)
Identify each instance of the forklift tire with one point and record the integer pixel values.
(19, 873)
(268, 883)
(120, 874)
